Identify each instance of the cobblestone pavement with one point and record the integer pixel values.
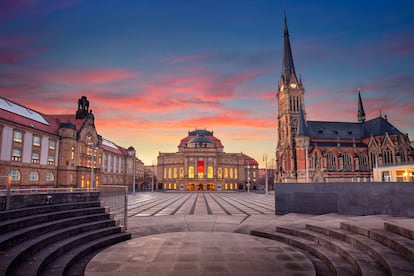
(145, 204)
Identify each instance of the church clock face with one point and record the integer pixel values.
(293, 85)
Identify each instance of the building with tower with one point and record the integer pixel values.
(322, 151)
(64, 150)
(202, 165)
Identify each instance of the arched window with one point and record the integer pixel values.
(316, 162)
(226, 173)
(210, 172)
(388, 156)
(363, 162)
(331, 162)
(33, 176)
(231, 173)
(50, 176)
(220, 173)
(15, 175)
(181, 172)
(170, 173)
(373, 159)
(347, 159)
(175, 172)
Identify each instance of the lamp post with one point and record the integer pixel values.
(266, 177)
(152, 177)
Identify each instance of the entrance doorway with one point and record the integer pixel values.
(200, 187)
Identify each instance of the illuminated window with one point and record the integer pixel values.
(231, 172)
(51, 160)
(175, 173)
(35, 157)
(210, 172)
(226, 173)
(231, 186)
(33, 176)
(220, 173)
(16, 155)
(73, 153)
(17, 136)
(235, 173)
(226, 186)
(50, 176)
(36, 141)
(175, 186)
(52, 144)
(83, 182)
(190, 171)
(181, 173)
(200, 168)
(15, 175)
(165, 172)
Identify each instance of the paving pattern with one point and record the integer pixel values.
(146, 204)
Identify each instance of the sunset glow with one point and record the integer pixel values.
(155, 69)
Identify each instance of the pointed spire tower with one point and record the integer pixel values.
(288, 67)
(290, 100)
(361, 112)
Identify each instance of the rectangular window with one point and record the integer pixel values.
(17, 136)
(51, 160)
(210, 172)
(73, 153)
(190, 171)
(52, 144)
(16, 155)
(35, 157)
(200, 168)
(36, 141)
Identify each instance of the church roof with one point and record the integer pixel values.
(349, 130)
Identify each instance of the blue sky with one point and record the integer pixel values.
(153, 70)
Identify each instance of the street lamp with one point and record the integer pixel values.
(152, 185)
(266, 177)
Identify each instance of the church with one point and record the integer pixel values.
(324, 151)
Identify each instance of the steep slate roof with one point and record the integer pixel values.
(379, 126)
(302, 127)
(348, 131)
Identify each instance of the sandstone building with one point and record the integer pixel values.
(39, 150)
(202, 165)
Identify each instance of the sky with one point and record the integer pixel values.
(153, 70)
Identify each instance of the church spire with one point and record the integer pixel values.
(361, 112)
(288, 68)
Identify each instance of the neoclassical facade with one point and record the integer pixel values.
(39, 150)
(201, 165)
(320, 151)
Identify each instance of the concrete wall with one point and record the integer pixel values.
(356, 198)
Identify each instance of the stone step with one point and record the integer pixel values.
(337, 265)
(361, 262)
(21, 222)
(12, 257)
(42, 257)
(30, 211)
(14, 237)
(390, 261)
(62, 265)
(403, 228)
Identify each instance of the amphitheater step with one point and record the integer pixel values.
(14, 237)
(404, 227)
(42, 258)
(337, 265)
(361, 262)
(21, 222)
(62, 264)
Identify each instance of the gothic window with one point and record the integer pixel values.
(373, 159)
(347, 159)
(316, 160)
(331, 161)
(294, 127)
(388, 156)
(363, 162)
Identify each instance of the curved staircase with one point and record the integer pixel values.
(341, 245)
(55, 239)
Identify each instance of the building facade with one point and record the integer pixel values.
(39, 150)
(201, 165)
(321, 151)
